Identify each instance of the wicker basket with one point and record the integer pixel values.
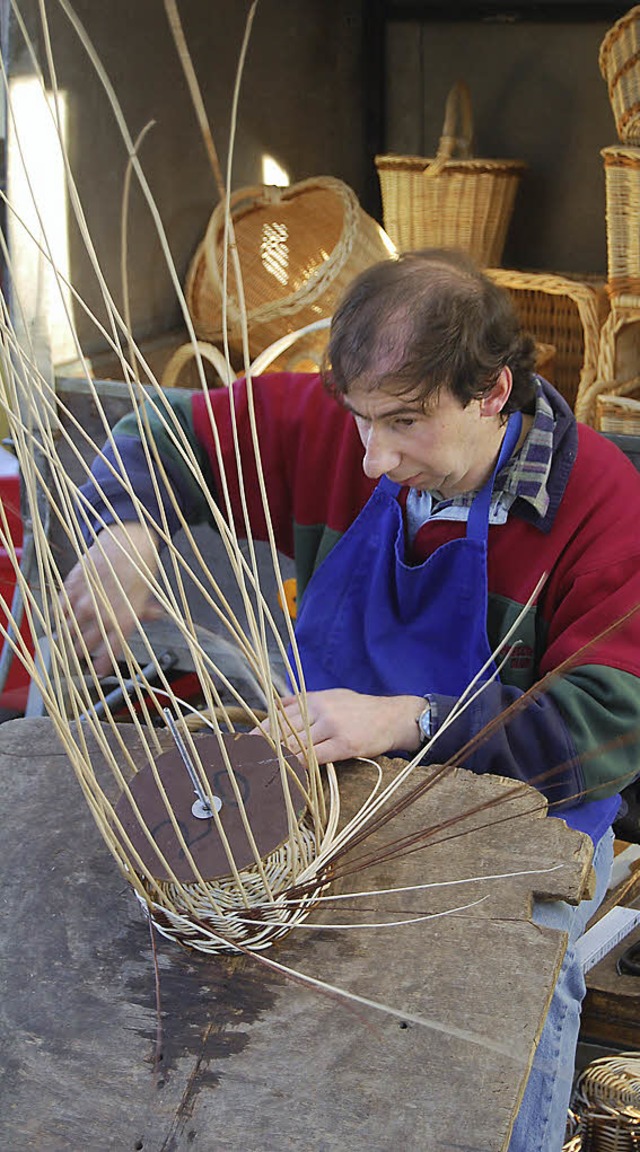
(619, 355)
(619, 414)
(574, 1144)
(622, 188)
(567, 314)
(573, 1133)
(612, 1130)
(289, 353)
(297, 247)
(620, 67)
(452, 201)
(617, 374)
(607, 1099)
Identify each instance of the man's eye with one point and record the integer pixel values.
(405, 421)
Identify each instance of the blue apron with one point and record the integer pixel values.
(373, 623)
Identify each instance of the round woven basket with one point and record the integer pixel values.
(619, 61)
(297, 247)
(453, 200)
(607, 1100)
(613, 1081)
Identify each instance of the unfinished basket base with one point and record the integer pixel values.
(223, 882)
(230, 916)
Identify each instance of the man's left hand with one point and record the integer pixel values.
(344, 724)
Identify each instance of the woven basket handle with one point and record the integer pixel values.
(457, 131)
(260, 193)
(187, 352)
(254, 194)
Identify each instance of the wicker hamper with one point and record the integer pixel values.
(297, 247)
(622, 190)
(620, 67)
(454, 200)
(573, 1145)
(567, 314)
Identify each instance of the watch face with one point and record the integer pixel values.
(424, 722)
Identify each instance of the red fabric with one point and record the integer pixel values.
(310, 451)
(312, 456)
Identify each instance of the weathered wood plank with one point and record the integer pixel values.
(252, 1061)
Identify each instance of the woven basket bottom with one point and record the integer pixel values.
(215, 916)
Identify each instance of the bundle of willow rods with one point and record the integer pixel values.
(262, 888)
(203, 909)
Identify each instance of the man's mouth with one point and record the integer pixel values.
(417, 481)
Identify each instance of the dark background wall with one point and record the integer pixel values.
(322, 91)
(301, 102)
(538, 96)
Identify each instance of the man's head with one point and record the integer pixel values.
(428, 321)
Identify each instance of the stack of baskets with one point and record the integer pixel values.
(617, 399)
(453, 200)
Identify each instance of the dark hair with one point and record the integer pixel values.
(425, 321)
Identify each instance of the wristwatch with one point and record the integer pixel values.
(425, 721)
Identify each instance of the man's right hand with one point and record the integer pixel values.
(114, 564)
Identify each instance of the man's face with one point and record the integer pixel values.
(441, 447)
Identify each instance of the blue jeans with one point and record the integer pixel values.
(541, 1120)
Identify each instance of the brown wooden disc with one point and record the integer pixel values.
(257, 773)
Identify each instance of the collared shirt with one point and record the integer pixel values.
(525, 475)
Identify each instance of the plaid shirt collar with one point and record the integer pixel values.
(524, 477)
(527, 473)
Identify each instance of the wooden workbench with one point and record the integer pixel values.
(246, 1060)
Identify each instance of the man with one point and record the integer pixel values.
(476, 490)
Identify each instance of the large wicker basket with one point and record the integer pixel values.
(622, 187)
(454, 200)
(567, 314)
(297, 247)
(607, 1101)
(620, 67)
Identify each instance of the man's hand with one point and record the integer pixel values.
(344, 724)
(111, 564)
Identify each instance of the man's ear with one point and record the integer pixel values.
(494, 401)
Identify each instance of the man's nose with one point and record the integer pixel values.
(379, 457)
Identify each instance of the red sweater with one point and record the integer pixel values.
(586, 724)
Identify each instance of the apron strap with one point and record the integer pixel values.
(388, 486)
(479, 510)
